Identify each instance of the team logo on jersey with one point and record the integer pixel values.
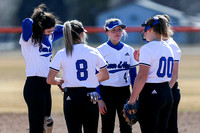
(46, 47)
(127, 54)
(118, 67)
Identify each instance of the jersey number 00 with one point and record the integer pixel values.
(165, 66)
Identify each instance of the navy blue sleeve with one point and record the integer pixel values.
(98, 87)
(99, 92)
(27, 29)
(58, 32)
(133, 74)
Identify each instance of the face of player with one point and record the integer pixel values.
(48, 31)
(150, 35)
(115, 34)
(147, 35)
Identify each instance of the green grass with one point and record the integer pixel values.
(12, 78)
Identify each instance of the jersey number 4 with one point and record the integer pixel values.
(81, 67)
(165, 66)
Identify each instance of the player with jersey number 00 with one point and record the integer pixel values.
(152, 82)
(79, 63)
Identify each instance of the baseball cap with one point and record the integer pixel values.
(114, 24)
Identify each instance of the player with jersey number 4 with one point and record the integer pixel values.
(122, 71)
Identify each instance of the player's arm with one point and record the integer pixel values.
(58, 32)
(98, 88)
(102, 105)
(139, 82)
(103, 74)
(174, 74)
(99, 92)
(52, 79)
(27, 29)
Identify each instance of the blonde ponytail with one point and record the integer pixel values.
(68, 38)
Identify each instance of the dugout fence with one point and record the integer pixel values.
(100, 29)
(9, 36)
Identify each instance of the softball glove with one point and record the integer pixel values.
(132, 118)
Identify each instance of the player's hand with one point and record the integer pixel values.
(102, 107)
(60, 81)
(60, 87)
(130, 113)
(136, 55)
(94, 96)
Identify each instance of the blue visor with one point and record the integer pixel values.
(114, 24)
(148, 27)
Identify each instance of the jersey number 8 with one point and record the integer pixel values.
(165, 65)
(81, 67)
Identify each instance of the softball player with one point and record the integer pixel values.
(122, 71)
(38, 33)
(152, 82)
(173, 119)
(78, 62)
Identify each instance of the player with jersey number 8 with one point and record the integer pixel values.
(152, 82)
(79, 63)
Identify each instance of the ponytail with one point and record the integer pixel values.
(72, 30)
(68, 38)
(163, 28)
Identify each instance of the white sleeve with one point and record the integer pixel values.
(175, 48)
(101, 63)
(145, 56)
(56, 63)
(177, 52)
(178, 55)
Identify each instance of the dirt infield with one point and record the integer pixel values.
(18, 123)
